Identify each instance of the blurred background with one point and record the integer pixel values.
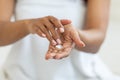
(110, 50)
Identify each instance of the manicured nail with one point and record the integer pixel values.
(62, 30)
(83, 45)
(54, 42)
(58, 41)
(43, 35)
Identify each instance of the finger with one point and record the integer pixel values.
(53, 32)
(63, 54)
(40, 33)
(50, 54)
(76, 39)
(56, 23)
(65, 21)
(46, 32)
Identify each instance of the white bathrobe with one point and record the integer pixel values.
(26, 60)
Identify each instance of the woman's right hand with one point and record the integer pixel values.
(47, 27)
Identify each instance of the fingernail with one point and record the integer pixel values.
(83, 45)
(58, 41)
(54, 42)
(62, 30)
(43, 35)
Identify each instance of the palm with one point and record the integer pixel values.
(68, 38)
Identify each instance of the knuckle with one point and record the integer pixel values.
(38, 24)
(50, 27)
(58, 25)
(46, 32)
(50, 16)
(54, 19)
(44, 20)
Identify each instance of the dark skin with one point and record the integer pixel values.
(11, 32)
(92, 35)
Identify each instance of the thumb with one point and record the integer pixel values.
(65, 21)
(77, 40)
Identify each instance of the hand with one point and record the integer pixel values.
(47, 27)
(68, 38)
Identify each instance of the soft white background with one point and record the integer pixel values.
(110, 50)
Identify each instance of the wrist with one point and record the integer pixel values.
(28, 26)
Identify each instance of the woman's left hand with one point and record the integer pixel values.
(68, 38)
